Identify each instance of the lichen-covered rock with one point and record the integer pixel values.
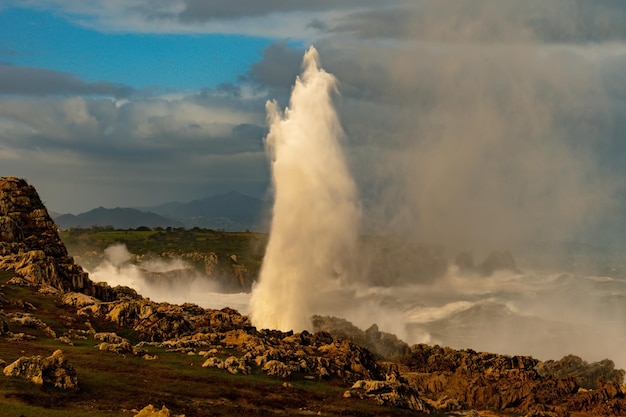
(508, 383)
(390, 393)
(52, 371)
(30, 245)
(30, 321)
(587, 375)
(108, 337)
(277, 368)
(78, 300)
(150, 411)
(384, 344)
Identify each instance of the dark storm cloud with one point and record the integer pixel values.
(187, 141)
(556, 21)
(31, 81)
(277, 69)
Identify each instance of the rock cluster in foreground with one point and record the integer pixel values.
(422, 378)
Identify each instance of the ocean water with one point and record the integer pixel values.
(543, 313)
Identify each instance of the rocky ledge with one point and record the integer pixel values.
(31, 248)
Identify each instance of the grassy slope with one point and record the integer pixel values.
(111, 385)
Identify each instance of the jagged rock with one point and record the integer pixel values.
(277, 368)
(108, 337)
(78, 300)
(164, 321)
(19, 282)
(122, 348)
(213, 362)
(512, 384)
(28, 320)
(150, 411)
(588, 376)
(236, 366)
(66, 340)
(385, 344)
(393, 394)
(53, 370)
(30, 245)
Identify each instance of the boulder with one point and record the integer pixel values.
(78, 300)
(277, 368)
(30, 321)
(395, 394)
(51, 371)
(150, 411)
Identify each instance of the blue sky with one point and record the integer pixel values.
(165, 60)
(494, 119)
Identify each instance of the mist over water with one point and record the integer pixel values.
(315, 215)
(172, 280)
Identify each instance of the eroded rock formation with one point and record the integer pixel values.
(53, 371)
(30, 245)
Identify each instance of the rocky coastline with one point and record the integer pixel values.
(372, 365)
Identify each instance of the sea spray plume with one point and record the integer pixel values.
(315, 214)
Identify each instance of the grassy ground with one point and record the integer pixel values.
(113, 385)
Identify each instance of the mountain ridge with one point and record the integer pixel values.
(232, 211)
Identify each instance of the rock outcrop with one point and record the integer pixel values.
(30, 245)
(52, 371)
(151, 411)
(387, 345)
(588, 376)
(389, 393)
(464, 379)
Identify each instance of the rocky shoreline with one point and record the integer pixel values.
(371, 365)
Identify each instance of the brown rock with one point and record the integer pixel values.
(53, 371)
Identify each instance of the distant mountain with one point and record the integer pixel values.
(119, 218)
(232, 211)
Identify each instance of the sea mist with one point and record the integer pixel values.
(315, 216)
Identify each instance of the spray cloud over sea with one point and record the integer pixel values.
(163, 280)
(488, 145)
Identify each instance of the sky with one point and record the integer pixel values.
(478, 119)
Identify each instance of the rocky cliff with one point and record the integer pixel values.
(30, 245)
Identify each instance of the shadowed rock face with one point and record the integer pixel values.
(30, 245)
(458, 379)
